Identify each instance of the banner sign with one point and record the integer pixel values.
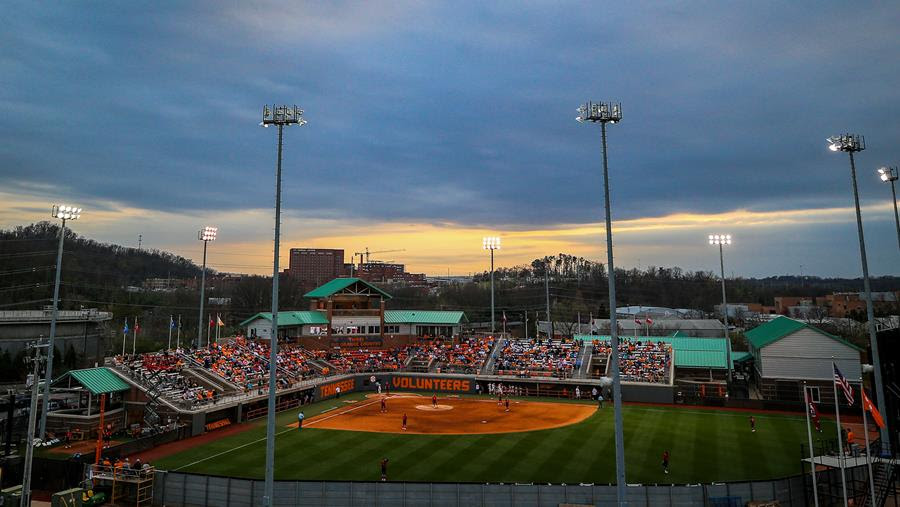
(357, 341)
(328, 390)
(432, 384)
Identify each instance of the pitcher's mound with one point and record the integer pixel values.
(432, 408)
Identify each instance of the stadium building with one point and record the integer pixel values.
(350, 312)
(786, 352)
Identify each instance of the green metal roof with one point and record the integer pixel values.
(690, 352)
(423, 317)
(100, 380)
(740, 356)
(782, 326)
(289, 319)
(338, 284)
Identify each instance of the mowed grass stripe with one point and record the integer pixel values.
(705, 446)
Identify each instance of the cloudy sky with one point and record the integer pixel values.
(434, 124)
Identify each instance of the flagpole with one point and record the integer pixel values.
(812, 454)
(178, 334)
(862, 402)
(124, 336)
(217, 328)
(134, 339)
(171, 323)
(837, 412)
(208, 330)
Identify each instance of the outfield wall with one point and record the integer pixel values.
(175, 489)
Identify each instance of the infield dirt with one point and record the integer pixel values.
(452, 416)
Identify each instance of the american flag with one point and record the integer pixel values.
(841, 382)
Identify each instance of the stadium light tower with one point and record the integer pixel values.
(63, 213)
(604, 113)
(850, 144)
(890, 175)
(491, 243)
(205, 235)
(280, 116)
(721, 240)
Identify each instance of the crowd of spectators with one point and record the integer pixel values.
(464, 355)
(364, 360)
(641, 361)
(536, 357)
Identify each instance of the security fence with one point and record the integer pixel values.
(179, 489)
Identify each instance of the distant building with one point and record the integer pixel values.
(350, 312)
(315, 266)
(82, 330)
(848, 304)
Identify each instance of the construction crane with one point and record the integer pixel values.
(367, 253)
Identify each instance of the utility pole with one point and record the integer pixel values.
(25, 500)
(547, 293)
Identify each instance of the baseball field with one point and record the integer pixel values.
(473, 439)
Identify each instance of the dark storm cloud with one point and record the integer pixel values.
(455, 112)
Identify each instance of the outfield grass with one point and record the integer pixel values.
(705, 446)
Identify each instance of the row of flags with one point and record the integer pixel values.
(173, 324)
(844, 385)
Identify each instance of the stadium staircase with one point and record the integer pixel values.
(587, 352)
(488, 367)
(884, 475)
(154, 399)
(209, 379)
(160, 400)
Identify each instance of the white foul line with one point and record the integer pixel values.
(263, 438)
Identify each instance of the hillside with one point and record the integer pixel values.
(91, 271)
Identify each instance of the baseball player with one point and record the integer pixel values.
(383, 405)
(752, 424)
(300, 418)
(434, 401)
(665, 461)
(404, 422)
(507, 404)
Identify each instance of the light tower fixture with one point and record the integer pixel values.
(722, 240)
(603, 113)
(205, 235)
(491, 243)
(63, 212)
(889, 175)
(281, 116)
(852, 143)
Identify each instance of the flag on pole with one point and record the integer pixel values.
(125, 330)
(868, 405)
(841, 382)
(210, 321)
(504, 316)
(220, 323)
(637, 320)
(649, 321)
(137, 327)
(171, 322)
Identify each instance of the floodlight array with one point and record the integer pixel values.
(208, 233)
(720, 239)
(65, 212)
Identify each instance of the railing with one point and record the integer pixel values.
(31, 315)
